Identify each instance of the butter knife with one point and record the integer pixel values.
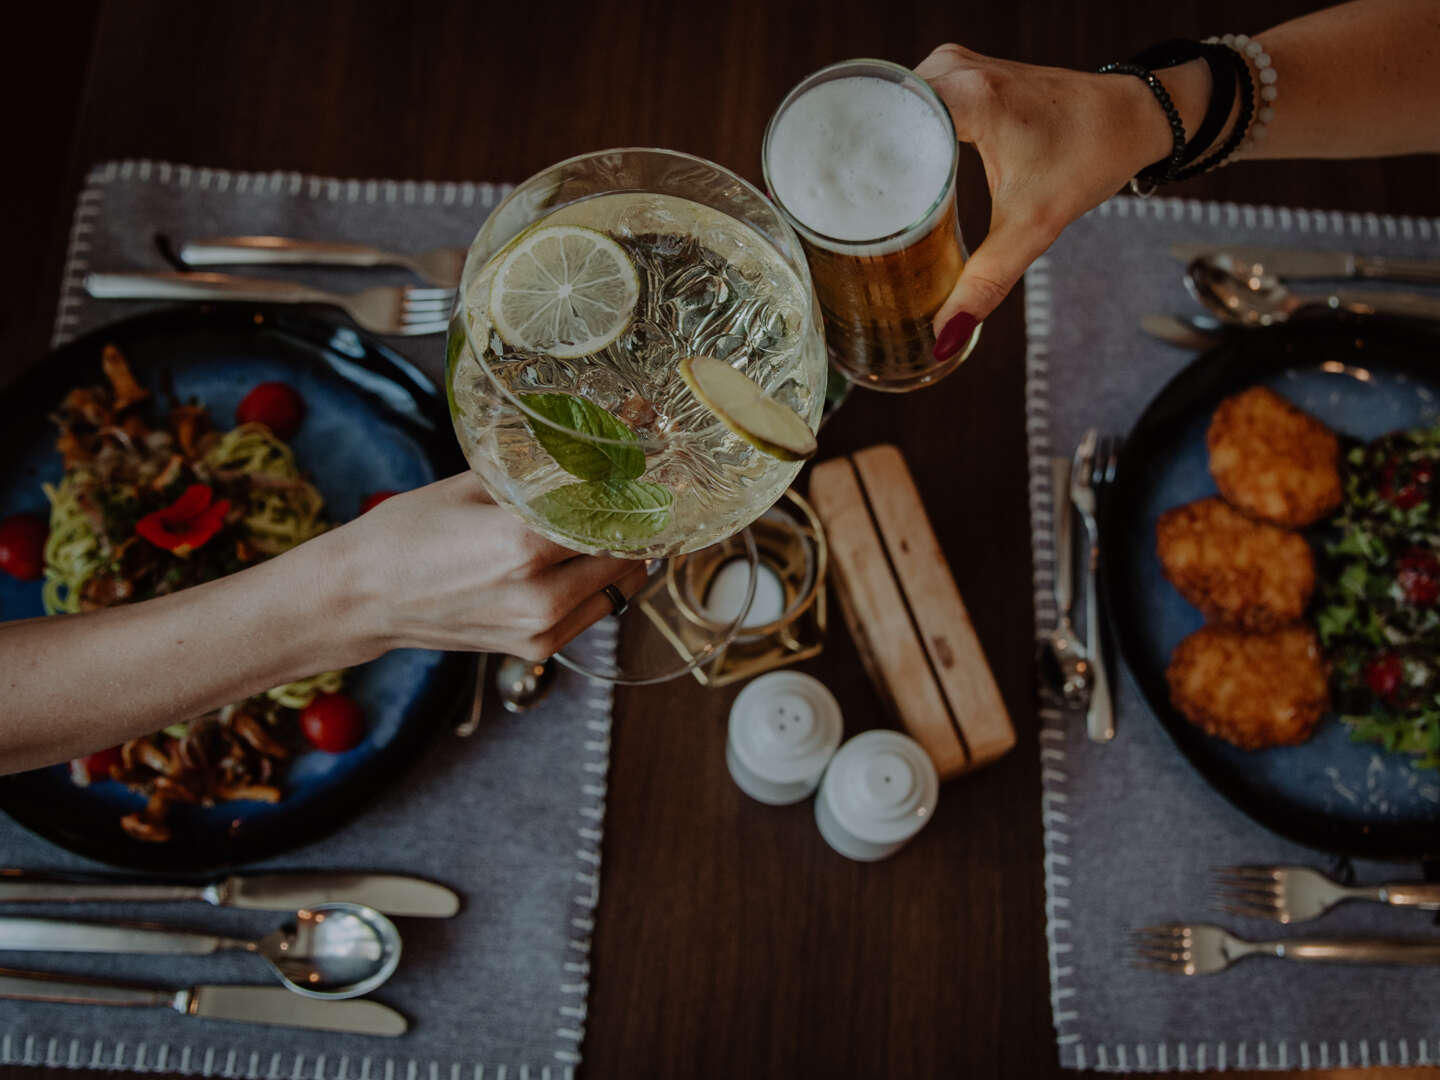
(394, 894)
(249, 1004)
(1299, 265)
(440, 267)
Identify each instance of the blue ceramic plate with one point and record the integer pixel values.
(374, 422)
(1363, 379)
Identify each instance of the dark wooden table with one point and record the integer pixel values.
(731, 941)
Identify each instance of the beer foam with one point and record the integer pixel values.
(859, 158)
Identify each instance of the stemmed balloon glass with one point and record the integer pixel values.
(599, 303)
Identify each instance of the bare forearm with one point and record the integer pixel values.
(1358, 80)
(1354, 81)
(73, 684)
(441, 567)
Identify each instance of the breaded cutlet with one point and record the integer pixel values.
(1273, 461)
(1236, 571)
(1254, 690)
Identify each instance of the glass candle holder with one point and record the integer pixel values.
(782, 624)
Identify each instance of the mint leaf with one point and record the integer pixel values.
(575, 453)
(454, 343)
(615, 514)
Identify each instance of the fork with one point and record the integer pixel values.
(1094, 466)
(385, 309)
(1202, 949)
(1295, 893)
(439, 267)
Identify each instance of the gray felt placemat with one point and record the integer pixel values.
(511, 818)
(1131, 830)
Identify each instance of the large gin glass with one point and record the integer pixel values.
(582, 294)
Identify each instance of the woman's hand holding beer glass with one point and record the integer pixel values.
(1055, 143)
(861, 157)
(1357, 80)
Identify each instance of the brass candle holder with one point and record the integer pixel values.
(786, 621)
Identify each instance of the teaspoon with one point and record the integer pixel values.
(523, 683)
(1244, 292)
(336, 950)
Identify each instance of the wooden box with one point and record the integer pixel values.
(904, 611)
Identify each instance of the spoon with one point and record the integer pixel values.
(336, 950)
(523, 683)
(1246, 293)
(1062, 657)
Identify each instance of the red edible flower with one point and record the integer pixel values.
(187, 523)
(1383, 674)
(1413, 492)
(1418, 572)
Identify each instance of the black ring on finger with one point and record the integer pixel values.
(617, 599)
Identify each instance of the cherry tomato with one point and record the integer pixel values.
(277, 405)
(1383, 675)
(1411, 493)
(97, 765)
(1418, 572)
(333, 722)
(374, 499)
(22, 546)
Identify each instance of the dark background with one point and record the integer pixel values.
(730, 941)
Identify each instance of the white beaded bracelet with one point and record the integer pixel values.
(1265, 85)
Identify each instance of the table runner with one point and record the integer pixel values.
(511, 818)
(1131, 831)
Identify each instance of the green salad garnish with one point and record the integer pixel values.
(1378, 614)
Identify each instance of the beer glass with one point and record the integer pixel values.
(860, 158)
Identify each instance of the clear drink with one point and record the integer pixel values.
(662, 475)
(861, 158)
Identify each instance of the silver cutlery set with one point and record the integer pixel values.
(1075, 668)
(338, 946)
(1247, 286)
(1284, 894)
(402, 310)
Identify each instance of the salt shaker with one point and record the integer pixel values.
(879, 791)
(784, 727)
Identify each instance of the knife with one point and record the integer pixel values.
(1184, 331)
(440, 267)
(249, 1004)
(394, 894)
(1297, 264)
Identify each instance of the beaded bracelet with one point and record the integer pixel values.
(1221, 62)
(1252, 52)
(1165, 169)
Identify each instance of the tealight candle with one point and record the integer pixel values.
(727, 594)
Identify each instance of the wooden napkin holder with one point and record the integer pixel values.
(904, 611)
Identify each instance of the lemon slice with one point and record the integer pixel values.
(564, 290)
(745, 409)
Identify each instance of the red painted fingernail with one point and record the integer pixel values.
(955, 333)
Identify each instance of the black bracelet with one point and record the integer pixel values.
(1164, 170)
(1242, 122)
(1219, 60)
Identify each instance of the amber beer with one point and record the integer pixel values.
(861, 158)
